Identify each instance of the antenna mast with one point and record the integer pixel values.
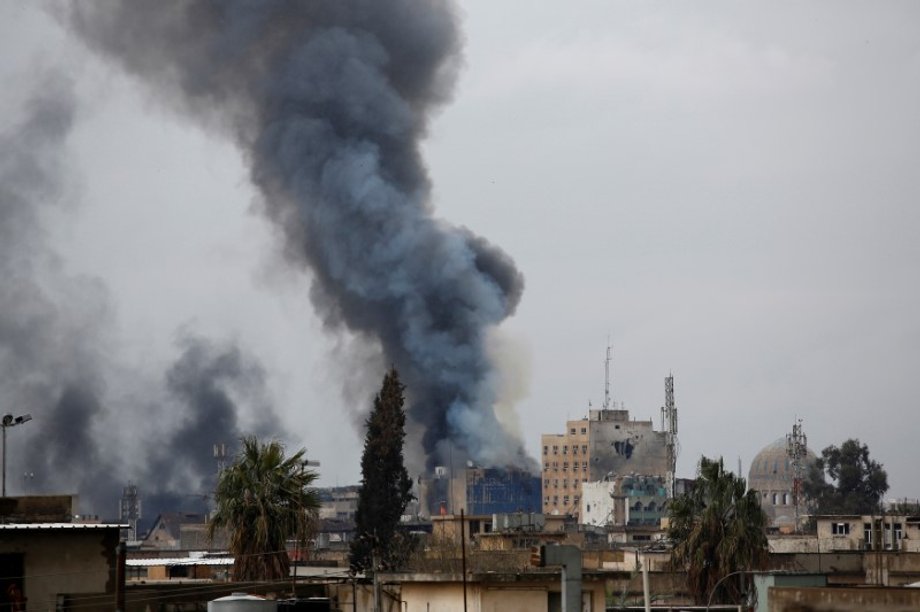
(796, 449)
(669, 426)
(607, 377)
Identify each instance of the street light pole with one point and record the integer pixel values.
(10, 421)
(713, 591)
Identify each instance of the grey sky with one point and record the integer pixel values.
(726, 190)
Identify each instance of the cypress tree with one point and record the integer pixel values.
(385, 484)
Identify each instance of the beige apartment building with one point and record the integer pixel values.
(605, 444)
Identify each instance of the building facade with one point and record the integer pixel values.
(604, 445)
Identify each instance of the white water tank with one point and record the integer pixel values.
(242, 602)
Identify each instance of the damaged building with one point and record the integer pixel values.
(604, 445)
(478, 491)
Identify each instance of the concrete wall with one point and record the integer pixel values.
(597, 505)
(64, 561)
(626, 447)
(796, 599)
(498, 597)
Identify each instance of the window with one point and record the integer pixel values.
(555, 449)
(840, 528)
(545, 450)
(867, 534)
(584, 449)
(546, 500)
(574, 450)
(565, 449)
(785, 499)
(565, 466)
(583, 431)
(898, 531)
(588, 507)
(565, 500)
(556, 483)
(565, 484)
(775, 497)
(555, 499)
(546, 467)
(546, 484)
(572, 432)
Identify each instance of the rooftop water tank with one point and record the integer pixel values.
(242, 602)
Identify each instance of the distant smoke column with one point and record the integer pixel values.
(329, 100)
(49, 322)
(55, 352)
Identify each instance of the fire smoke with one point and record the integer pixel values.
(329, 100)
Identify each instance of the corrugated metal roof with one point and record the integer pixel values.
(179, 561)
(42, 526)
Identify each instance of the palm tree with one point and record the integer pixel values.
(718, 528)
(263, 499)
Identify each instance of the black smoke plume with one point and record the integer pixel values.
(328, 100)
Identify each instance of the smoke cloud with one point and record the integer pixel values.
(329, 101)
(57, 361)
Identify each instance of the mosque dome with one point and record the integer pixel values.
(771, 475)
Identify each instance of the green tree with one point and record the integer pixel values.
(263, 499)
(845, 480)
(385, 484)
(718, 528)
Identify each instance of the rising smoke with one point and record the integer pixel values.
(329, 100)
(56, 354)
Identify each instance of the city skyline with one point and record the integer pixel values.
(724, 193)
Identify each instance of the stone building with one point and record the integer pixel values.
(57, 566)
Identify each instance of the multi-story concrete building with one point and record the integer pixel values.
(605, 444)
(478, 490)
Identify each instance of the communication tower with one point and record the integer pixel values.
(797, 449)
(129, 510)
(220, 456)
(607, 377)
(669, 426)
